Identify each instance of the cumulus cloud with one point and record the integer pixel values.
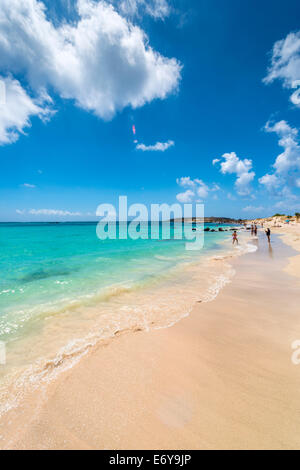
(185, 181)
(185, 197)
(17, 110)
(231, 164)
(158, 9)
(269, 181)
(287, 163)
(290, 157)
(158, 147)
(202, 189)
(102, 61)
(285, 64)
(196, 187)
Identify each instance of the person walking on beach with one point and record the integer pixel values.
(252, 230)
(268, 233)
(235, 238)
(255, 230)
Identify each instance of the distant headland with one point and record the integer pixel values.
(208, 220)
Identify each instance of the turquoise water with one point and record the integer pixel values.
(46, 267)
(62, 290)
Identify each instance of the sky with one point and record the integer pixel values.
(212, 89)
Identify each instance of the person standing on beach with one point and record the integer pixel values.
(268, 233)
(255, 230)
(235, 238)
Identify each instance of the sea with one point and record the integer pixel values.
(64, 291)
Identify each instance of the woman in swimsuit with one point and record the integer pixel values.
(235, 238)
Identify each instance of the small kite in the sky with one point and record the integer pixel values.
(133, 129)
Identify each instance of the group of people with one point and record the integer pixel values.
(254, 230)
(235, 239)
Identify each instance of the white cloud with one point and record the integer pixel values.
(298, 183)
(270, 181)
(30, 186)
(185, 181)
(158, 9)
(102, 62)
(185, 197)
(287, 164)
(215, 161)
(202, 189)
(241, 168)
(253, 209)
(17, 110)
(53, 212)
(197, 187)
(290, 158)
(233, 164)
(285, 64)
(243, 183)
(158, 147)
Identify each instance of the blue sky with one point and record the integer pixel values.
(189, 75)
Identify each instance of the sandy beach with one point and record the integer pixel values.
(222, 378)
(149, 227)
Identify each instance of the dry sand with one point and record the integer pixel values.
(220, 379)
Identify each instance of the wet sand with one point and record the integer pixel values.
(220, 379)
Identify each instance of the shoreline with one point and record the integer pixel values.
(161, 304)
(152, 385)
(291, 236)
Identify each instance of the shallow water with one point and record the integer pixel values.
(62, 290)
